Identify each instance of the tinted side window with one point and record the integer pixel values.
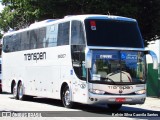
(24, 36)
(6, 44)
(42, 38)
(17, 42)
(77, 34)
(10, 43)
(33, 38)
(37, 38)
(63, 34)
(78, 61)
(51, 35)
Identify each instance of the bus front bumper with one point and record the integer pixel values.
(116, 99)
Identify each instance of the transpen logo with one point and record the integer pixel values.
(35, 56)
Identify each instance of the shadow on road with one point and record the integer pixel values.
(81, 110)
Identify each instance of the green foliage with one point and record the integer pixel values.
(20, 13)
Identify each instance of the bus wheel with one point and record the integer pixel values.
(20, 92)
(114, 106)
(14, 90)
(66, 98)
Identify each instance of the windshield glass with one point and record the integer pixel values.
(113, 66)
(113, 33)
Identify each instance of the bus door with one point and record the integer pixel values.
(78, 46)
(79, 87)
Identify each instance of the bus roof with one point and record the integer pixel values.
(71, 17)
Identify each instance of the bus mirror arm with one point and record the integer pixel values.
(154, 58)
(88, 59)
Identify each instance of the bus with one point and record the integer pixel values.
(88, 59)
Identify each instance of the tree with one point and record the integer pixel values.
(18, 14)
(21, 13)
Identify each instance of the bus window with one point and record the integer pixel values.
(51, 35)
(42, 38)
(24, 37)
(33, 38)
(63, 34)
(77, 34)
(6, 47)
(17, 42)
(113, 33)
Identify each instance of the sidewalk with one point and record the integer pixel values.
(152, 102)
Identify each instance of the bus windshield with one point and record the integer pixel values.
(113, 33)
(118, 67)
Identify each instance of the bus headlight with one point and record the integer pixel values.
(141, 92)
(95, 91)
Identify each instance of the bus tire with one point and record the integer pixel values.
(66, 97)
(14, 89)
(114, 106)
(12, 86)
(20, 92)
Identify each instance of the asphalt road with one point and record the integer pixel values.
(49, 109)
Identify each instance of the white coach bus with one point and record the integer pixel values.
(89, 59)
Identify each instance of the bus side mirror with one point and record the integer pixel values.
(88, 59)
(154, 58)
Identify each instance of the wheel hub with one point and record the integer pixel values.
(67, 97)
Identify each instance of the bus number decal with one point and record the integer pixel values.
(62, 56)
